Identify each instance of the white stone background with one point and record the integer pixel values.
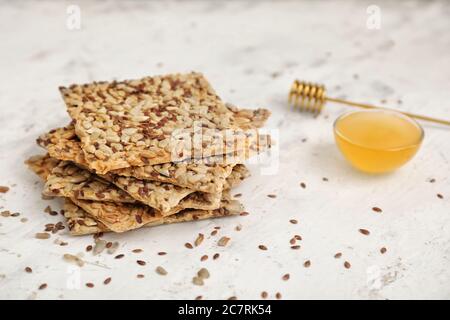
(251, 52)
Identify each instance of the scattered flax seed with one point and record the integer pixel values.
(293, 221)
(383, 250)
(286, 277)
(89, 285)
(278, 295)
(296, 247)
(113, 248)
(292, 241)
(364, 232)
(232, 298)
(347, 265)
(264, 295)
(23, 220)
(298, 237)
(217, 228)
(137, 250)
(432, 180)
(42, 235)
(6, 213)
(119, 256)
(216, 256)
(107, 281)
(188, 245)
(307, 264)
(140, 276)
(197, 281)
(73, 259)
(338, 255)
(272, 195)
(199, 239)
(28, 270)
(4, 189)
(160, 270)
(325, 179)
(198, 297)
(262, 247)
(223, 241)
(89, 248)
(48, 209)
(244, 213)
(214, 232)
(141, 263)
(43, 286)
(162, 253)
(376, 209)
(303, 185)
(440, 196)
(108, 245)
(238, 227)
(203, 273)
(204, 258)
(15, 214)
(238, 195)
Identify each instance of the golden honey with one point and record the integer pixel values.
(377, 141)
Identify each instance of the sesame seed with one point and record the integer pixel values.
(262, 247)
(199, 239)
(107, 281)
(223, 241)
(160, 270)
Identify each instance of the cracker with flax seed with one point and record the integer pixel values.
(131, 123)
(68, 180)
(208, 176)
(80, 222)
(42, 165)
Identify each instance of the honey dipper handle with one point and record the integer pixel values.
(368, 106)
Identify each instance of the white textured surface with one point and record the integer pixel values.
(251, 52)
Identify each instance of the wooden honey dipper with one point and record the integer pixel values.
(311, 97)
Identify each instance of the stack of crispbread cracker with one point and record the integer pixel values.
(146, 152)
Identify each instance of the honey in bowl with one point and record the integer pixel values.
(377, 141)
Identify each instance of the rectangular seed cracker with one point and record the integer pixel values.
(130, 123)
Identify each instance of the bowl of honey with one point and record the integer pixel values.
(377, 140)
